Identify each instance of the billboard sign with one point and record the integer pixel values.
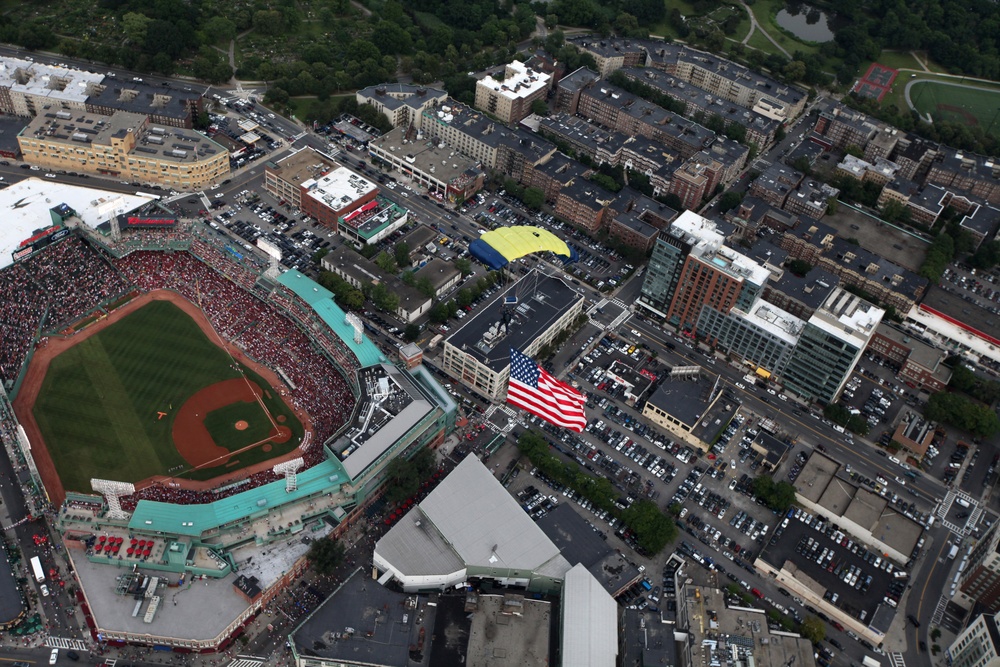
(269, 248)
(155, 223)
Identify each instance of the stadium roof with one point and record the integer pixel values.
(26, 208)
(193, 520)
(590, 621)
(477, 521)
(320, 300)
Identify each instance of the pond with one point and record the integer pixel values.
(807, 22)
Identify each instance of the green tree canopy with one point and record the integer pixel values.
(813, 629)
(326, 555)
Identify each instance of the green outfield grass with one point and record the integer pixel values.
(964, 105)
(97, 408)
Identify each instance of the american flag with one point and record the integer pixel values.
(534, 390)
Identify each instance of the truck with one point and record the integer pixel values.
(953, 552)
(36, 567)
(869, 661)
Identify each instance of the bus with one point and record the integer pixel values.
(36, 566)
(153, 195)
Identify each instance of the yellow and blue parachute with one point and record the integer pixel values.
(498, 248)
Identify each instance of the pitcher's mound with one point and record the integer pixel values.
(242, 425)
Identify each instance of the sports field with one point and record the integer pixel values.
(960, 103)
(136, 400)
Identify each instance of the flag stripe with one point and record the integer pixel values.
(533, 389)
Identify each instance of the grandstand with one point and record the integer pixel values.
(289, 325)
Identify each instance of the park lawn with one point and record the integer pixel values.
(97, 408)
(760, 42)
(663, 28)
(895, 60)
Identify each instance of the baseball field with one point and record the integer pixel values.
(971, 104)
(152, 394)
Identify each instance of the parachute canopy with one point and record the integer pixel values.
(498, 248)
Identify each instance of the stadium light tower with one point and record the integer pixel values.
(112, 491)
(289, 470)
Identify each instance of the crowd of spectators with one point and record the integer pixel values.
(55, 287)
(318, 387)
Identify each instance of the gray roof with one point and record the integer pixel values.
(810, 290)
(395, 417)
(590, 622)
(143, 98)
(577, 79)
(439, 271)
(685, 399)
(910, 285)
(968, 313)
(383, 627)
(10, 127)
(983, 220)
(483, 523)
(396, 95)
(415, 548)
(539, 305)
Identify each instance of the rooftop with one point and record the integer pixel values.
(700, 99)
(469, 519)
(920, 352)
(508, 629)
(983, 220)
(199, 612)
(344, 259)
(396, 95)
(810, 290)
(481, 128)
(724, 634)
(339, 188)
(363, 622)
(26, 207)
(38, 79)
(538, 302)
(579, 78)
(440, 272)
(968, 314)
(519, 81)
(848, 317)
(170, 144)
(590, 621)
(580, 544)
(144, 98)
(777, 322)
(444, 163)
(303, 165)
(709, 246)
(389, 406)
(876, 268)
(686, 398)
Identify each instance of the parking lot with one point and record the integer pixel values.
(855, 579)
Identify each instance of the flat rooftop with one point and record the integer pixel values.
(390, 405)
(491, 332)
(199, 612)
(154, 141)
(40, 80)
(519, 81)
(848, 317)
(429, 157)
(719, 631)
(508, 630)
(685, 398)
(301, 166)
(363, 622)
(339, 188)
(26, 207)
(777, 322)
(968, 314)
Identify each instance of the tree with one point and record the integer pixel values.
(813, 629)
(425, 286)
(135, 27)
(411, 332)
(404, 476)
(729, 200)
(385, 262)
(533, 198)
(795, 70)
(654, 529)
(963, 413)
(269, 22)
(779, 496)
(539, 107)
(439, 313)
(895, 211)
(402, 253)
(326, 555)
(383, 298)
(464, 266)
(799, 267)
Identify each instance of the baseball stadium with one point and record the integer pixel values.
(186, 412)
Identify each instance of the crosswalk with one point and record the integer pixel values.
(246, 662)
(897, 660)
(939, 610)
(621, 304)
(62, 642)
(976, 511)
